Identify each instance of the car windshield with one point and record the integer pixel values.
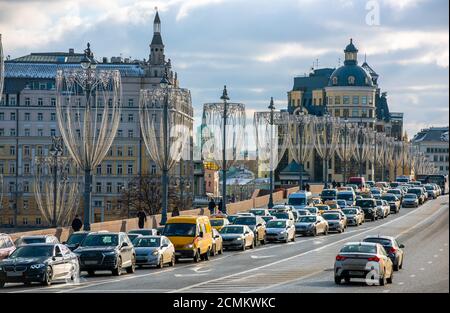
(276, 224)
(218, 222)
(281, 215)
(144, 232)
(245, 221)
(415, 191)
(331, 217)
(396, 191)
(365, 203)
(32, 252)
(382, 241)
(147, 242)
(359, 249)
(75, 238)
(328, 192)
(133, 236)
(297, 201)
(312, 210)
(410, 196)
(375, 191)
(30, 240)
(389, 197)
(101, 240)
(307, 219)
(379, 202)
(429, 187)
(267, 218)
(180, 230)
(232, 218)
(303, 212)
(258, 212)
(232, 230)
(349, 211)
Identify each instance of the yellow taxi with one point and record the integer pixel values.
(333, 205)
(322, 208)
(219, 222)
(192, 236)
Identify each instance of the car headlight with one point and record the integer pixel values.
(109, 253)
(239, 238)
(37, 266)
(156, 252)
(283, 232)
(189, 246)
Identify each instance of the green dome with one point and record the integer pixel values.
(350, 75)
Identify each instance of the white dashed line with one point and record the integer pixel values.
(436, 255)
(412, 275)
(430, 262)
(401, 283)
(422, 268)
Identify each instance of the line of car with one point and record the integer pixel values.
(43, 259)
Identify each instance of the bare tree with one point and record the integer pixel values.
(145, 192)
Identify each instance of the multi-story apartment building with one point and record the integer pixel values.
(28, 121)
(350, 92)
(433, 142)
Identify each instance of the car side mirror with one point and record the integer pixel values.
(124, 244)
(401, 246)
(64, 242)
(258, 225)
(164, 245)
(201, 234)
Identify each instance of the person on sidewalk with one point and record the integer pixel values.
(77, 223)
(142, 218)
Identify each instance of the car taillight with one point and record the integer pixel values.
(340, 258)
(392, 250)
(374, 259)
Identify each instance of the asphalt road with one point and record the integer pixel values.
(302, 266)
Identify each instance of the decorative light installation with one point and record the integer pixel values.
(2, 68)
(55, 191)
(224, 135)
(301, 143)
(397, 156)
(388, 150)
(88, 109)
(377, 152)
(363, 148)
(326, 140)
(272, 138)
(1, 191)
(165, 136)
(347, 141)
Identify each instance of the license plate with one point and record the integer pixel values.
(14, 274)
(90, 262)
(357, 273)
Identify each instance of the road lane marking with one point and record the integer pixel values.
(422, 268)
(412, 275)
(261, 256)
(307, 252)
(430, 262)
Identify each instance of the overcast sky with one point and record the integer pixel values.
(256, 47)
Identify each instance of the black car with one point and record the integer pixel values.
(329, 194)
(107, 252)
(39, 262)
(75, 239)
(369, 206)
(392, 247)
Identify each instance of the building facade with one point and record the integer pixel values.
(28, 121)
(433, 142)
(350, 92)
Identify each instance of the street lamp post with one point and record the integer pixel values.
(165, 85)
(56, 151)
(271, 108)
(225, 98)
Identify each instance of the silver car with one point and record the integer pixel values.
(364, 260)
(355, 217)
(237, 237)
(154, 251)
(383, 207)
(280, 230)
(311, 225)
(336, 221)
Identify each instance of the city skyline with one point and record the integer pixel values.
(257, 60)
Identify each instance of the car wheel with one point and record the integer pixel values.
(244, 246)
(391, 278)
(161, 262)
(206, 255)
(396, 267)
(382, 280)
(326, 231)
(401, 264)
(263, 241)
(47, 281)
(347, 280)
(196, 256)
(293, 238)
(213, 250)
(221, 250)
(132, 268)
(337, 280)
(118, 270)
(2, 284)
(91, 273)
(314, 233)
(172, 260)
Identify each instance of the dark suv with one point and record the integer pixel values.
(369, 206)
(107, 251)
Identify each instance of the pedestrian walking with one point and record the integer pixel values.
(77, 223)
(142, 218)
(220, 206)
(308, 187)
(212, 206)
(175, 211)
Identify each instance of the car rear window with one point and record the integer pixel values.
(382, 241)
(359, 249)
(33, 240)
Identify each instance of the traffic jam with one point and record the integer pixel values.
(44, 260)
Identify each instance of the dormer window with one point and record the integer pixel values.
(367, 81)
(351, 80)
(335, 80)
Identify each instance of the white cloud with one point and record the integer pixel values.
(187, 6)
(279, 51)
(402, 4)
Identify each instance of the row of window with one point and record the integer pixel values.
(12, 101)
(440, 158)
(41, 133)
(338, 100)
(40, 117)
(364, 113)
(437, 150)
(37, 221)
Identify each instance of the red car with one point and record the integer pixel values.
(6, 246)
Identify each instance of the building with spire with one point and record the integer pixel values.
(350, 92)
(28, 120)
